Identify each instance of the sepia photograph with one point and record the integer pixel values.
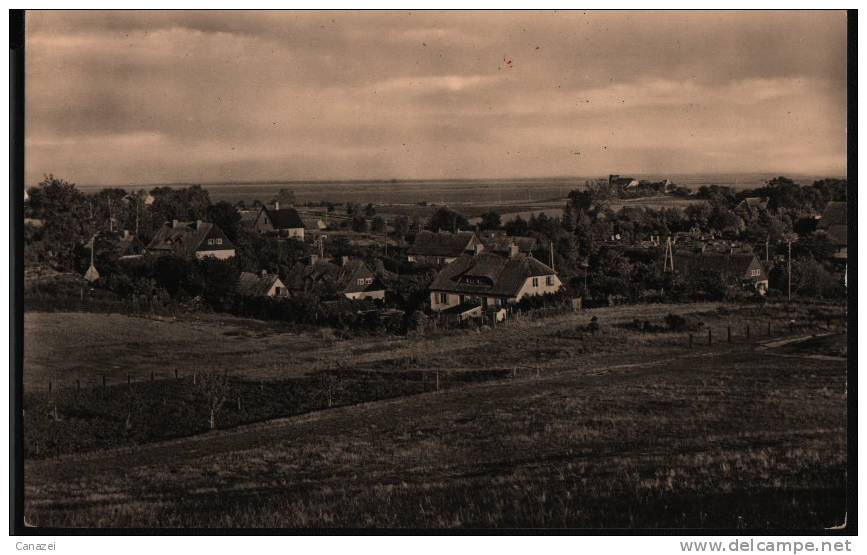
(417, 270)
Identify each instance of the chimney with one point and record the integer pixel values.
(344, 259)
(276, 205)
(263, 273)
(174, 223)
(513, 250)
(478, 248)
(314, 258)
(198, 224)
(126, 234)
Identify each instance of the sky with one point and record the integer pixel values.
(171, 97)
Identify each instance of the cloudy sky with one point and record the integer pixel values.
(196, 97)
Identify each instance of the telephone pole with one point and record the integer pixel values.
(789, 270)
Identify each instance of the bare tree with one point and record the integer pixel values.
(217, 390)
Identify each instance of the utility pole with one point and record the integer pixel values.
(789, 270)
(767, 240)
(551, 245)
(669, 256)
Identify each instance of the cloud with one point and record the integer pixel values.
(204, 96)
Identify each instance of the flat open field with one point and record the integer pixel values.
(624, 429)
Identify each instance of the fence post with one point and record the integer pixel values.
(769, 328)
(103, 382)
(127, 379)
(176, 373)
(152, 375)
(77, 387)
(690, 341)
(729, 334)
(709, 338)
(438, 380)
(748, 332)
(49, 386)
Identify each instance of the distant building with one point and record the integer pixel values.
(442, 247)
(125, 245)
(262, 284)
(491, 281)
(191, 240)
(752, 205)
(282, 221)
(500, 243)
(745, 268)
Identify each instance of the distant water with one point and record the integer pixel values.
(469, 191)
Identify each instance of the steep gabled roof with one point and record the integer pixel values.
(489, 274)
(254, 285)
(284, 218)
(444, 243)
(185, 238)
(343, 279)
(721, 263)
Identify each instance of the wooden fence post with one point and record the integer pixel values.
(729, 334)
(103, 382)
(49, 386)
(127, 379)
(709, 338)
(748, 332)
(438, 380)
(152, 375)
(77, 387)
(176, 373)
(769, 328)
(690, 341)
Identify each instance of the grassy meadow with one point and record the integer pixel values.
(618, 428)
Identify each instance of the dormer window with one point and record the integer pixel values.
(218, 241)
(535, 282)
(360, 281)
(368, 281)
(210, 241)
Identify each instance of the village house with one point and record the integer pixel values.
(488, 281)
(442, 247)
(126, 245)
(743, 267)
(352, 279)
(500, 243)
(281, 221)
(752, 205)
(262, 284)
(191, 240)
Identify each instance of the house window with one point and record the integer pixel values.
(210, 241)
(550, 281)
(368, 281)
(755, 272)
(444, 298)
(360, 281)
(218, 241)
(535, 282)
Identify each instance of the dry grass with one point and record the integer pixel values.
(659, 436)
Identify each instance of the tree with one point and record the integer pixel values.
(377, 225)
(401, 226)
(359, 224)
(67, 217)
(490, 220)
(447, 220)
(286, 198)
(215, 389)
(369, 210)
(187, 204)
(517, 227)
(225, 217)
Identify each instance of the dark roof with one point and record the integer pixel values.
(285, 218)
(254, 285)
(501, 243)
(489, 274)
(833, 222)
(721, 263)
(185, 238)
(342, 278)
(444, 243)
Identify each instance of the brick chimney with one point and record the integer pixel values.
(514, 250)
(174, 223)
(276, 205)
(198, 224)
